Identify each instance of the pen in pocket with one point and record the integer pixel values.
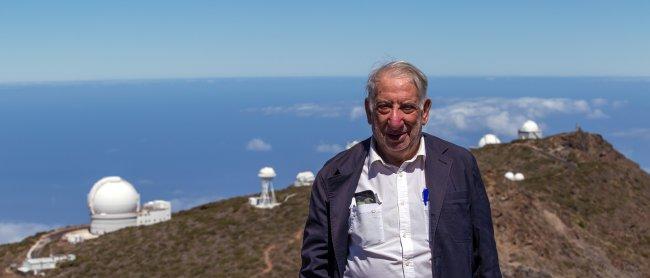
(425, 196)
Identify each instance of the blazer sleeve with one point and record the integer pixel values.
(315, 241)
(486, 261)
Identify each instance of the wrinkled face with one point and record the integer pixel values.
(397, 118)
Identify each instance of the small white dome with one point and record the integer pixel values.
(266, 172)
(488, 139)
(519, 177)
(510, 176)
(113, 195)
(529, 126)
(305, 176)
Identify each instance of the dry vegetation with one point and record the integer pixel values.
(582, 211)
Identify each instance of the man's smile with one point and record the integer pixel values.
(396, 136)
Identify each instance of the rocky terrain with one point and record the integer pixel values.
(582, 211)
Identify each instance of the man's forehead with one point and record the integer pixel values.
(401, 89)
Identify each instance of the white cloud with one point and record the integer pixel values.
(323, 110)
(598, 102)
(329, 148)
(185, 203)
(13, 232)
(257, 144)
(357, 112)
(619, 103)
(640, 132)
(302, 110)
(597, 114)
(502, 116)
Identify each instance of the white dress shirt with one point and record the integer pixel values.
(390, 238)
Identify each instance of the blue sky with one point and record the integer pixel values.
(193, 141)
(81, 40)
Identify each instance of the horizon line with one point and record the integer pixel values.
(200, 78)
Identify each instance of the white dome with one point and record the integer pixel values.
(113, 195)
(510, 176)
(266, 172)
(488, 139)
(519, 177)
(305, 176)
(529, 126)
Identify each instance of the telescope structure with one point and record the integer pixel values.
(530, 130)
(114, 204)
(266, 200)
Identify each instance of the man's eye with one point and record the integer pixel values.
(408, 109)
(383, 109)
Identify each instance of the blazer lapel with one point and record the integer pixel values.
(340, 189)
(437, 178)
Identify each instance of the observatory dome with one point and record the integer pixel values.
(488, 139)
(304, 179)
(530, 126)
(266, 172)
(113, 195)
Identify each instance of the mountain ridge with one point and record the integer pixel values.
(581, 211)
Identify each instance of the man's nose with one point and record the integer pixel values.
(396, 120)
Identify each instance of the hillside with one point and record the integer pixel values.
(581, 211)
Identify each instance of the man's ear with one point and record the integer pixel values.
(368, 111)
(425, 111)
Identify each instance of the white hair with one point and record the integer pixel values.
(398, 69)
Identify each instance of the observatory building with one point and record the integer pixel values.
(267, 197)
(304, 179)
(488, 139)
(155, 212)
(530, 130)
(115, 204)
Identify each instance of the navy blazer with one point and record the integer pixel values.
(461, 230)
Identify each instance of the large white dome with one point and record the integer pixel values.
(488, 139)
(266, 173)
(529, 126)
(113, 195)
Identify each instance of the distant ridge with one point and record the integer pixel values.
(582, 211)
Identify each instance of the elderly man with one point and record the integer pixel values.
(402, 203)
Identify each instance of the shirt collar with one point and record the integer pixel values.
(373, 156)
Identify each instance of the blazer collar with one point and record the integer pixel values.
(437, 169)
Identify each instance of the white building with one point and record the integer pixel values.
(79, 236)
(115, 204)
(155, 212)
(37, 265)
(530, 130)
(488, 139)
(304, 179)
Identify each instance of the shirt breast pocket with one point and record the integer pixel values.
(368, 225)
